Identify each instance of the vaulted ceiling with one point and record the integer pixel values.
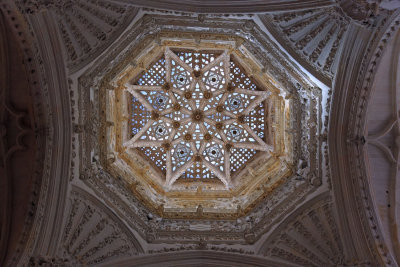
(328, 194)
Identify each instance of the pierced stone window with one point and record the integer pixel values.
(197, 115)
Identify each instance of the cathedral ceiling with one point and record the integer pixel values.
(279, 176)
(102, 202)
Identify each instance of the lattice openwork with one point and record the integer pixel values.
(196, 114)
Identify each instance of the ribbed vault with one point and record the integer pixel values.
(318, 185)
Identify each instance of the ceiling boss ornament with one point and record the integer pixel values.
(196, 114)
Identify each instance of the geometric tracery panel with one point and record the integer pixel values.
(197, 115)
(196, 129)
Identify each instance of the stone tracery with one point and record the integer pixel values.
(196, 114)
(198, 191)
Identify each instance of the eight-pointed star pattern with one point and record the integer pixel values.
(197, 116)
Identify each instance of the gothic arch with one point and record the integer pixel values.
(352, 183)
(23, 136)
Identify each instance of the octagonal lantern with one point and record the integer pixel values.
(196, 113)
(196, 126)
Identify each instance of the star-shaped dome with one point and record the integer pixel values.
(197, 113)
(197, 126)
